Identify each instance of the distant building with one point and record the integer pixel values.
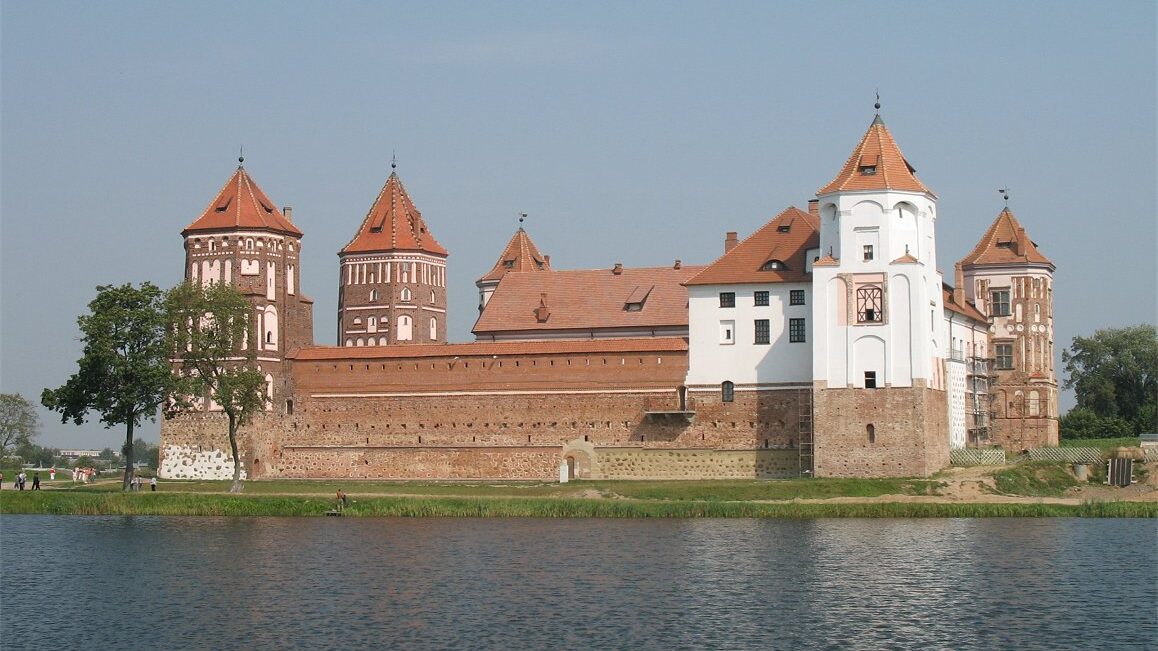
(824, 343)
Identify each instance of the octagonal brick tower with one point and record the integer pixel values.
(392, 283)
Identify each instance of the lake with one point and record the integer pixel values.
(348, 583)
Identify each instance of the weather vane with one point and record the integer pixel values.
(877, 106)
(522, 218)
(393, 160)
(1005, 193)
(241, 155)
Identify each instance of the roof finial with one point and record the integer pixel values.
(393, 160)
(1005, 193)
(241, 157)
(877, 106)
(522, 217)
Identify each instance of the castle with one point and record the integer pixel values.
(824, 343)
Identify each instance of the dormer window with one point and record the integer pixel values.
(633, 307)
(868, 164)
(508, 264)
(774, 265)
(784, 228)
(868, 170)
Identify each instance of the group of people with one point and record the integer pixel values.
(21, 481)
(84, 475)
(135, 484)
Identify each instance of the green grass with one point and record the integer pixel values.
(1126, 442)
(1035, 479)
(110, 503)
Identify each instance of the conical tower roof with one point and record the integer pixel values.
(1006, 242)
(393, 224)
(241, 204)
(876, 164)
(521, 254)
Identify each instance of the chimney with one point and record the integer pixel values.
(814, 207)
(288, 213)
(730, 241)
(677, 265)
(541, 312)
(1020, 247)
(617, 269)
(958, 285)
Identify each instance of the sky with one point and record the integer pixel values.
(628, 132)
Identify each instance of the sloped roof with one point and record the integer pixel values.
(786, 238)
(393, 224)
(487, 348)
(879, 153)
(968, 309)
(521, 254)
(1005, 243)
(241, 204)
(588, 299)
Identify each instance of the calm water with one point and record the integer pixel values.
(329, 583)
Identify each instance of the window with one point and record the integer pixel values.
(727, 332)
(796, 297)
(727, 299)
(406, 294)
(1004, 356)
(868, 304)
(405, 329)
(871, 431)
(508, 264)
(761, 298)
(727, 391)
(868, 252)
(373, 295)
(999, 302)
(433, 328)
(870, 379)
(796, 331)
(773, 265)
(762, 331)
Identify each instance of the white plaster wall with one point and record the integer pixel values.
(744, 362)
(188, 462)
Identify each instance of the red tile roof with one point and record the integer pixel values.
(242, 205)
(879, 153)
(488, 349)
(393, 224)
(1005, 243)
(786, 238)
(521, 254)
(968, 309)
(588, 300)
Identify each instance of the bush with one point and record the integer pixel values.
(1082, 423)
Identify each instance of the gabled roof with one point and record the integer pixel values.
(590, 299)
(876, 164)
(786, 238)
(242, 205)
(1005, 243)
(521, 254)
(968, 309)
(393, 224)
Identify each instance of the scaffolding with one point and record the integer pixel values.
(804, 433)
(979, 408)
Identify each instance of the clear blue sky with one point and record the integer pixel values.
(634, 132)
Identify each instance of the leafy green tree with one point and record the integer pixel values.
(124, 374)
(147, 453)
(211, 342)
(110, 455)
(19, 423)
(1115, 373)
(37, 455)
(1083, 423)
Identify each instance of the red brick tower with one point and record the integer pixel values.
(243, 239)
(392, 287)
(1011, 282)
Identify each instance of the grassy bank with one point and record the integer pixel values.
(108, 503)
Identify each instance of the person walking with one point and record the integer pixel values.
(20, 480)
(35, 481)
(153, 484)
(1, 480)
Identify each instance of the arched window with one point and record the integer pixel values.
(405, 294)
(871, 431)
(360, 342)
(432, 296)
(433, 328)
(349, 342)
(869, 304)
(727, 391)
(271, 327)
(373, 295)
(405, 328)
(371, 324)
(773, 265)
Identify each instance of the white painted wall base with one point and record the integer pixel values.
(187, 462)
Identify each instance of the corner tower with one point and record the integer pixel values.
(878, 325)
(244, 240)
(1011, 282)
(392, 285)
(521, 254)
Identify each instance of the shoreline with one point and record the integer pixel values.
(241, 505)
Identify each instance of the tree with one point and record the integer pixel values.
(124, 374)
(1083, 423)
(147, 453)
(209, 326)
(19, 423)
(1115, 373)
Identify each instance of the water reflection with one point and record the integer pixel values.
(212, 583)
